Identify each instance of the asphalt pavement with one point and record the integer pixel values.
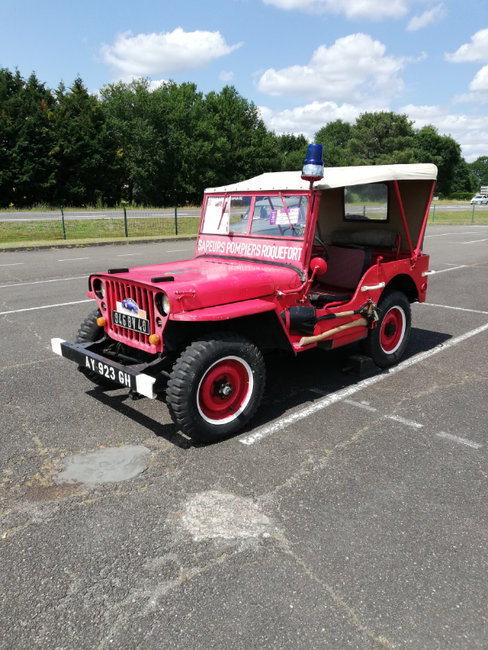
(351, 512)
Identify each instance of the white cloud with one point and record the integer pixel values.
(369, 9)
(226, 76)
(157, 83)
(470, 131)
(353, 69)
(307, 120)
(480, 81)
(429, 17)
(476, 50)
(164, 53)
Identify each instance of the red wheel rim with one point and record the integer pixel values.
(392, 330)
(224, 390)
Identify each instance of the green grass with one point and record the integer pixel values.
(459, 218)
(93, 229)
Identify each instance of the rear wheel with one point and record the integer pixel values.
(387, 342)
(216, 386)
(88, 332)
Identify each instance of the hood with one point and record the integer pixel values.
(205, 281)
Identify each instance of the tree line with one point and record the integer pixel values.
(165, 146)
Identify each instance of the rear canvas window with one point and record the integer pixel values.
(367, 202)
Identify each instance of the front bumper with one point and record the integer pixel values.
(129, 376)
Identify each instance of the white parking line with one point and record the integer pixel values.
(59, 304)
(407, 423)
(344, 393)
(361, 405)
(13, 264)
(473, 311)
(474, 241)
(447, 234)
(461, 441)
(73, 259)
(453, 268)
(23, 284)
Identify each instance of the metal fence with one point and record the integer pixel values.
(65, 224)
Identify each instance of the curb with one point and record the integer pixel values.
(82, 244)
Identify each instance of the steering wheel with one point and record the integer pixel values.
(325, 254)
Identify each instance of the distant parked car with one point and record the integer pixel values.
(479, 199)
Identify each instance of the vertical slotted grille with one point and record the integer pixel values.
(117, 291)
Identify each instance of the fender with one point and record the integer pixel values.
(228, 311)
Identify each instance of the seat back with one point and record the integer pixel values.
(345, 266)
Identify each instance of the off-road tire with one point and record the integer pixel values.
(387, 342)
(216, 386)
(88, 332)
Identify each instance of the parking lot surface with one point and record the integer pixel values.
(352, 512)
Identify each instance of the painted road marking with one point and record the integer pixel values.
(473, 311)
(23, 284)
(59, 304)
(13, 264)
(453, 268)
(344, 393)
(73, 259)
(416, 425)
(361, 405)
(461, 441)
(473, 241)
(407, 423)
(447, 234)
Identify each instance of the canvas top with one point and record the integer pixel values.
(333, 177)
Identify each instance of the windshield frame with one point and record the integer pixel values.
(280, 196)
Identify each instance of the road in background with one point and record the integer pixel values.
(350, 513)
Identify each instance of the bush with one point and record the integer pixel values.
(460, 196)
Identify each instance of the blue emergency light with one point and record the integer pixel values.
(313, 166)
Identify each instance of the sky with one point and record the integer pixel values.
(303, 63)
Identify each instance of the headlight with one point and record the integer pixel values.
(99, 288)
(162, 304)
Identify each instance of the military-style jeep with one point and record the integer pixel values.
(282, 262)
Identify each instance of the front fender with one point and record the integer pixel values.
(227, 311)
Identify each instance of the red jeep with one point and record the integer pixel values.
(282, 262)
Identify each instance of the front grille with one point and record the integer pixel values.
(117, 291)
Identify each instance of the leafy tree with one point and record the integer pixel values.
(381, 138)
(234, 142)
(479, 168)
(463, 180)
(292, 150)
(335, 138)
(27, 170)
(441, 150)
(85, 150)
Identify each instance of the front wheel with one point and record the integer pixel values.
(387, 342)
(216, 386)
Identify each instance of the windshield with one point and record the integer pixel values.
(274, 215)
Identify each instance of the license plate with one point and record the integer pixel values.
(133, 323)
(109, 372)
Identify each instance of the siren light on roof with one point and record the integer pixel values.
(313, 166)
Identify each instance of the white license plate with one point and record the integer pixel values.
(129, 322)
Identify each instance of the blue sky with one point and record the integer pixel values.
(302, 62)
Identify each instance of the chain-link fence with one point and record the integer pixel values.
(77, 225)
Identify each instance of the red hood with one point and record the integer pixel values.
(205, 281)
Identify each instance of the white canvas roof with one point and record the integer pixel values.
(333, 177)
